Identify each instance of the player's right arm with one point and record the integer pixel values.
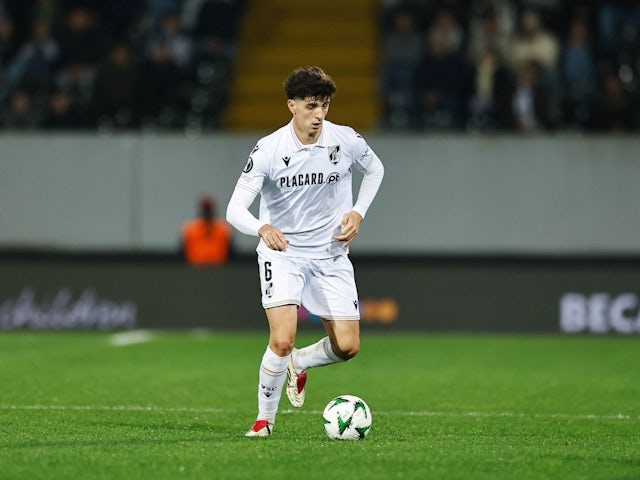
(240, 217)
(238, 213)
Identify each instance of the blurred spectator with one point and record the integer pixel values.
(158, 90)
(530, 101)
(490, 99)
(206, 240)
(578, 74)
(401, 52)
(8, 42)
(535, 44)
(439, 85)
(21, 111)
(83, 48)
(551, 13)
(489, 51)
(619, 33)
(214, 35)
(61, 112)
(77, 81)
(82, 43)
(447, 28)
(8, 49)
(216, 27)
(169, 35)
(34, 64)
(503, 11)
(618, 22)
(614, 108)
(486, 34)
(21, 14)
(115, 88)
(538, 46)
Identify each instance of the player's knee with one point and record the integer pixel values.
(347, 354)
(282, 347)
(347, 350)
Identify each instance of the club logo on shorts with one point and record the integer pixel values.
(334, 154)
(269, 290)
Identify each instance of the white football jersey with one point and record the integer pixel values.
(306, 189)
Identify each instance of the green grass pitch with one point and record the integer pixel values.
(74, 406)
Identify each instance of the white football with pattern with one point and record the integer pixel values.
(347, 417)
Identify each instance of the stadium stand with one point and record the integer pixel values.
(501, 65)
(122, 64)
(400, 65)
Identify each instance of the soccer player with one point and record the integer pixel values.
(307, 220)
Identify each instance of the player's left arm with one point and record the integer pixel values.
(371, 181)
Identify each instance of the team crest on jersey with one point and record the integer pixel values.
(334, 154)
(286, 160)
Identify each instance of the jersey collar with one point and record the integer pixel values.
(299, 145)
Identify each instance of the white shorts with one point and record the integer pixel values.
(326, 287)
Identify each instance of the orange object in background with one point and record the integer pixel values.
(206, 240)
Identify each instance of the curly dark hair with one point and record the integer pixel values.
(309, 82)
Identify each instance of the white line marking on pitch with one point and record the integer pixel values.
(115, 408)
(124, 339)
(142, 408)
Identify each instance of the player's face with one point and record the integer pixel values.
(308, 115)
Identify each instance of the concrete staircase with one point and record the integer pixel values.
(280, 35)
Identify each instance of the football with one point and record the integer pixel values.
(347, 417)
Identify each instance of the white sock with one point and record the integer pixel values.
(273, 370)
(316, 355)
